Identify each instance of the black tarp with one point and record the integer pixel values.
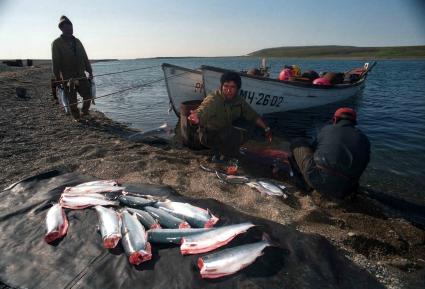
(80, 261)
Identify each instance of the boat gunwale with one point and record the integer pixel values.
(197, 71)
(287, 82)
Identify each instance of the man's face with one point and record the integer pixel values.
(229, 89)
(67, 29)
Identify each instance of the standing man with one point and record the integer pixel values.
(334, 163)
(216, 114)
(70, 62)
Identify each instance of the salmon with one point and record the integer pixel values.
(211, 240)
(231, 260)
(134, 239)
(109, 225)
(195, 216)
(56, 223)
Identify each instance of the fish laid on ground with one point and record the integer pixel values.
(267, 188)
(231, 179)
(134, 239)
(98, 183)
(173, 236)
(162, 131)
(145, 218)
(135, 202)
(83, 201)
(166, 219)
(231, 260)
(195, 216)
(106, 188)
(211, 240)
(109, 225)
(56, 223)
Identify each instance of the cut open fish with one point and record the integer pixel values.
(56, 223)
(231, 260)
(134, 239)
(211, 240)
(195, 216)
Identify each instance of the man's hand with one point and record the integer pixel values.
(193, 118)
(90, 76)
(268, 134)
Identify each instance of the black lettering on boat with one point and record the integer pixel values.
(279, 101)
(274, 100)
(199, 86)
(243, 93)
(247, 95)
(261, 95)
(266, 99)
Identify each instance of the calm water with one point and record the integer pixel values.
(391, 111)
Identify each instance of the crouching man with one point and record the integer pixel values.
(216, 114)
(336, 160)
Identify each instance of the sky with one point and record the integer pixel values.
(139, 29)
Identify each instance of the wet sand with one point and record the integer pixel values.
(36, 136)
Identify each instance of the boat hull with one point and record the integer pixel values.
(264, 95)
(271, 96)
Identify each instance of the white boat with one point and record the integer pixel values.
(265, 95)
(183, 84)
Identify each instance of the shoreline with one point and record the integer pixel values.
(37, 136)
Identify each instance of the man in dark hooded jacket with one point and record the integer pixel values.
(336, 160)
(70, 62)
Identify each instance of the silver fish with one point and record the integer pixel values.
(136, 202)
(195, 216)
(172, 236)
(145, 218)
(134, 239)
(211, 240)
(110, 226)
(231, 260)
(83, 201)
(95, 188)
(62, 98)
(166, 219)
(98, 183)
(267, 188)
(162, 131)
(56, 223)
(232, 179)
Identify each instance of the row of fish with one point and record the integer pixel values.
(128, 225)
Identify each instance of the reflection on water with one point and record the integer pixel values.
(391, 111)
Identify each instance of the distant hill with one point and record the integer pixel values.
(343, 52)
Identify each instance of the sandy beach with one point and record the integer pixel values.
(36, 136)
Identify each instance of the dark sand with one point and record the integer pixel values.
(37, 136)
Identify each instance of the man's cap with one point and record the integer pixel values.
(345, 113)
(63, 20)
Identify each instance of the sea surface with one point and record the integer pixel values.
(391, 110)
